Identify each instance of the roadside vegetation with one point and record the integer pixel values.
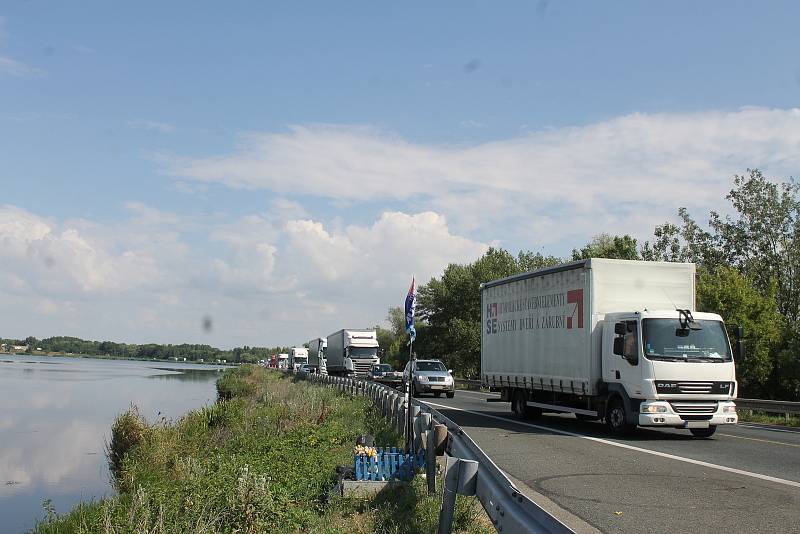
(263, 458)
(750, 416)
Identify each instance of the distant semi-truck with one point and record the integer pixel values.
(609, 339)
(297, 357)
(316, 355)
(283, 361)
(351, 352)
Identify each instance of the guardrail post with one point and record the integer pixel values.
(460, 477)
(430, 461)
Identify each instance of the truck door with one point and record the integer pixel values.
(624, 363)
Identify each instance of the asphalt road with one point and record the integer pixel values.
(744, 479)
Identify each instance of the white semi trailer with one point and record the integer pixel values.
(297, 357)
(351, 352)
(609, 339)
(316, 354)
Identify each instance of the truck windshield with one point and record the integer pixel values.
(300, 359)
(663, 342)
(363, 352)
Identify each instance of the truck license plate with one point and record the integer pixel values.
(696, 424)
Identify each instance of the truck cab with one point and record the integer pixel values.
(670, 368)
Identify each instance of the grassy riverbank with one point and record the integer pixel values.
(261, 459)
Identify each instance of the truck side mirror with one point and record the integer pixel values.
(618, 345)
(620, 329)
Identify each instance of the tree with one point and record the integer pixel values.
(727, 292)
(608, 246)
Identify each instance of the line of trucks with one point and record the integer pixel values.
(346, 352)
(612, 340)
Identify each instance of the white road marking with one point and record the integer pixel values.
(630, 447)
(762, 440)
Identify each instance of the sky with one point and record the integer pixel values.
(283, 169)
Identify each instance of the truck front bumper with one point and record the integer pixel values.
(661, 413)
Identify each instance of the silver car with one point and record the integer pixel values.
(429, 376)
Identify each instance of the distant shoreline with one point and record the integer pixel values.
(110, 357)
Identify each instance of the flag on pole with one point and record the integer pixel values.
(411, 306)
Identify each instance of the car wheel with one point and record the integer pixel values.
(703, 432)
(616, 418)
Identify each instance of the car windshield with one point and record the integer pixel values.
(662, 341)
(430, 366)
(382, 368)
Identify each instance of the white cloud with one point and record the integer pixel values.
(13, 67)
(151, 126)
(264, 279)
(18, 69)
(566, 179)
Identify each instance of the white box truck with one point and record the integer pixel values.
(316, 354)
(297, 357)
(606, 339)
(351, 352)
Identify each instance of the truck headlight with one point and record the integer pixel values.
(728, 408)
(652, 408)
(422, 378)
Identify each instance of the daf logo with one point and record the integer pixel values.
(666, 385)
(724, 386)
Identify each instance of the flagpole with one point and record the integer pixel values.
(410, 305)
(409, 430)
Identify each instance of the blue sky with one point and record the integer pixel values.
(266, 164)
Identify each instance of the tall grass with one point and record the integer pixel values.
(261, 459)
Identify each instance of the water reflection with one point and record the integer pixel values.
(56, 418)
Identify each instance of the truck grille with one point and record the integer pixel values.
(693, 387)
(435, 379)
(361, 368)
(694, 408)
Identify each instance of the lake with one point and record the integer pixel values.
(56, 415)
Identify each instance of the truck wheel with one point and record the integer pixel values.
(437, 394)
(703, 432)
(616, 418)
(450, 394)
(521, 408)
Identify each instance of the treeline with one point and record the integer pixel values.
(148, 351)
(749, 272)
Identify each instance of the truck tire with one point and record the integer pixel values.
(617, 418)
(450, 394)
(520, 407)
(703, 432)
(437, 394)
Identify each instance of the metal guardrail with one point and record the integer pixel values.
(769, 406)
(469, 470)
